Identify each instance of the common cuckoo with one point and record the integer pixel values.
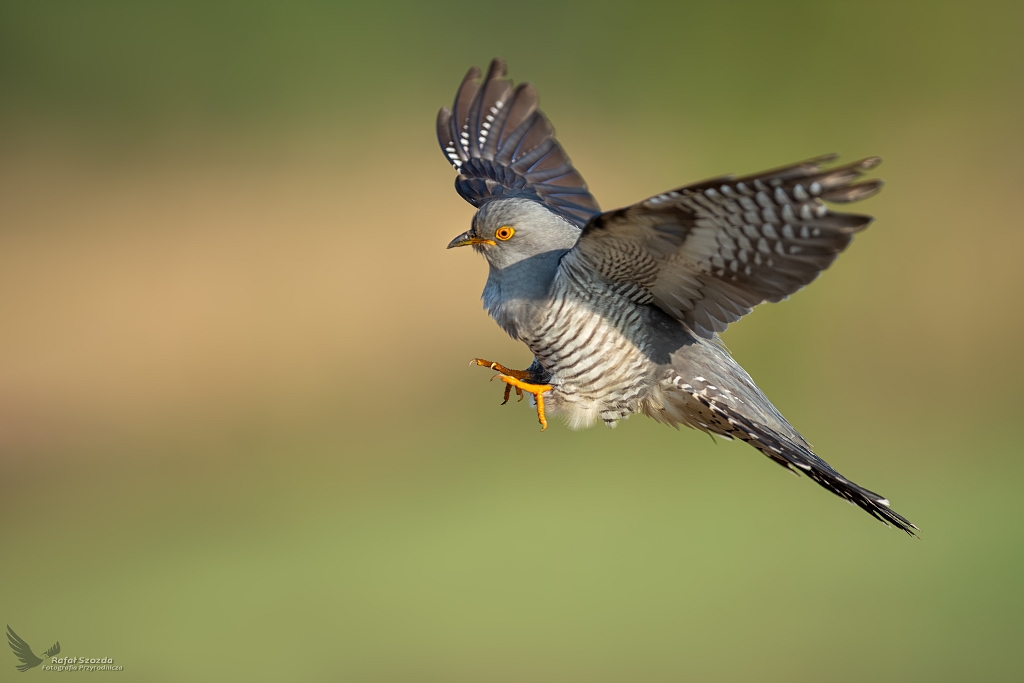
(622, 309)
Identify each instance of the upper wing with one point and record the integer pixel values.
(708, 253)
(502, 145)
(22, 651)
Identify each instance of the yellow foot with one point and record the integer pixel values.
(514, 378)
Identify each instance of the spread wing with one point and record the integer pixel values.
(503, 146)
(22, 651)
(708, 253)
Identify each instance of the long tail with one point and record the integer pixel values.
(720, 416)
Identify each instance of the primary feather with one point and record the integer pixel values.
(503, 146)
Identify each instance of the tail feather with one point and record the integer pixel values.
(720, 414)
(798, 458)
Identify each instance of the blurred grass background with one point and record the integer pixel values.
(239, 437)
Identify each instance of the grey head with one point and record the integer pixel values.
(509, 232)
(523, 242)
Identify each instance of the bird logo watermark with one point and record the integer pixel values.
(29, 660)
(24, 653)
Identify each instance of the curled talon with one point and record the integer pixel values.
(519, 380)
(537, 390)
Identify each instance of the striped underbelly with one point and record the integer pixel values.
(598, 368)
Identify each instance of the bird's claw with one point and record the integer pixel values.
(508, 392)
(515, 379)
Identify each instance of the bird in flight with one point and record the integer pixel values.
(24, 653)
(622, 309)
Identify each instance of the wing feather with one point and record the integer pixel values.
(503, 146)
(710, 252)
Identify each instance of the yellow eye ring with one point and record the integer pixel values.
(505, 232)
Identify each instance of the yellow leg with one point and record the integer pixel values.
(514, 378)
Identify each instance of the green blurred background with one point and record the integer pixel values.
(239, 437)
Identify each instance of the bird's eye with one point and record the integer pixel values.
(505, 232)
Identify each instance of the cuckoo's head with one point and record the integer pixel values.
(507, 231)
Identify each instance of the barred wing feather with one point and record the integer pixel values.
(503, 146)
(709, 252)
